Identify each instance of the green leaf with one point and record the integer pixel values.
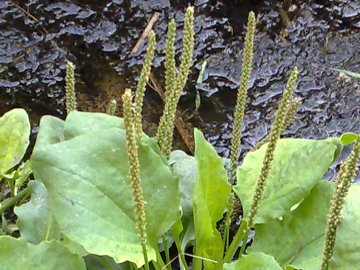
(349, 73)
(78, 123)
(347, 244)
(298, 239)
(348, 138)
(36, 222)
(258, 261)
(51, 130)
(297, 166)
(94, 262)
(185, 168)
(210, 200)
(34, 218)
(89, 191)
(14, 138)
(18, 254)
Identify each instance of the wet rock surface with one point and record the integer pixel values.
(37, 37)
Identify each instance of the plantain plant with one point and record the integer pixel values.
(108, 196)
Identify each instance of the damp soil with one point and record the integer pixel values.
(37, 37)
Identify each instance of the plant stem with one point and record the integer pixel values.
(106, 263)
(13, 200)
(70, 87)
(234, 244)
(134, 172)
(344, 180)
(182, 263)
(133, 266)
(145, 257)
(244, 241)
(166, 249)
(48, 227)
(159, 259)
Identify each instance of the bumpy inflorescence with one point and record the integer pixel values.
(111, 109)
(276, 129)
(144, 77)
(170, 65)
(165, 130)
(70, 87)
(290, 115)
(343, 182)
(134, 166)
(241, 96)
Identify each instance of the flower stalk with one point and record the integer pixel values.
(70, 87)
(290, 115)
(276, 129)
(144, 77)
(134, 172)
(235, 204)
(241, 96)
(343, 182)
(165, 130)
(170, 65)
(111, 109)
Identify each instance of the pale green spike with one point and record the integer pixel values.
(144, 77)
(134, 170)
(112, 107)
(343, 182)
(70, 87)
(241, 96)
(170, 65)
(165, 130)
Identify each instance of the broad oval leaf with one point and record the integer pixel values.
(51, 130)
(298, 240)
(89, 192)
(185, 168)
(18, 254)
(257, 260)
(210, 200)
(297, 166)
(347, 244)
(348, 138)
(35, 221)
(14, 138)
(78, 123)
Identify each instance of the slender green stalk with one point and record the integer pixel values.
(6, 204)
(144, 77)
(134, 172)
(343, 182)
(159, 259)
(105, 263)
(70, 87)
(182, 261)
(111, 109)
(170, 65)
(290, 115)
(241, 232)
(235, 205)
(48, 227)
(133, 266)
(241, 96)
(166, 249)
(276, 130)
(165, 130)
